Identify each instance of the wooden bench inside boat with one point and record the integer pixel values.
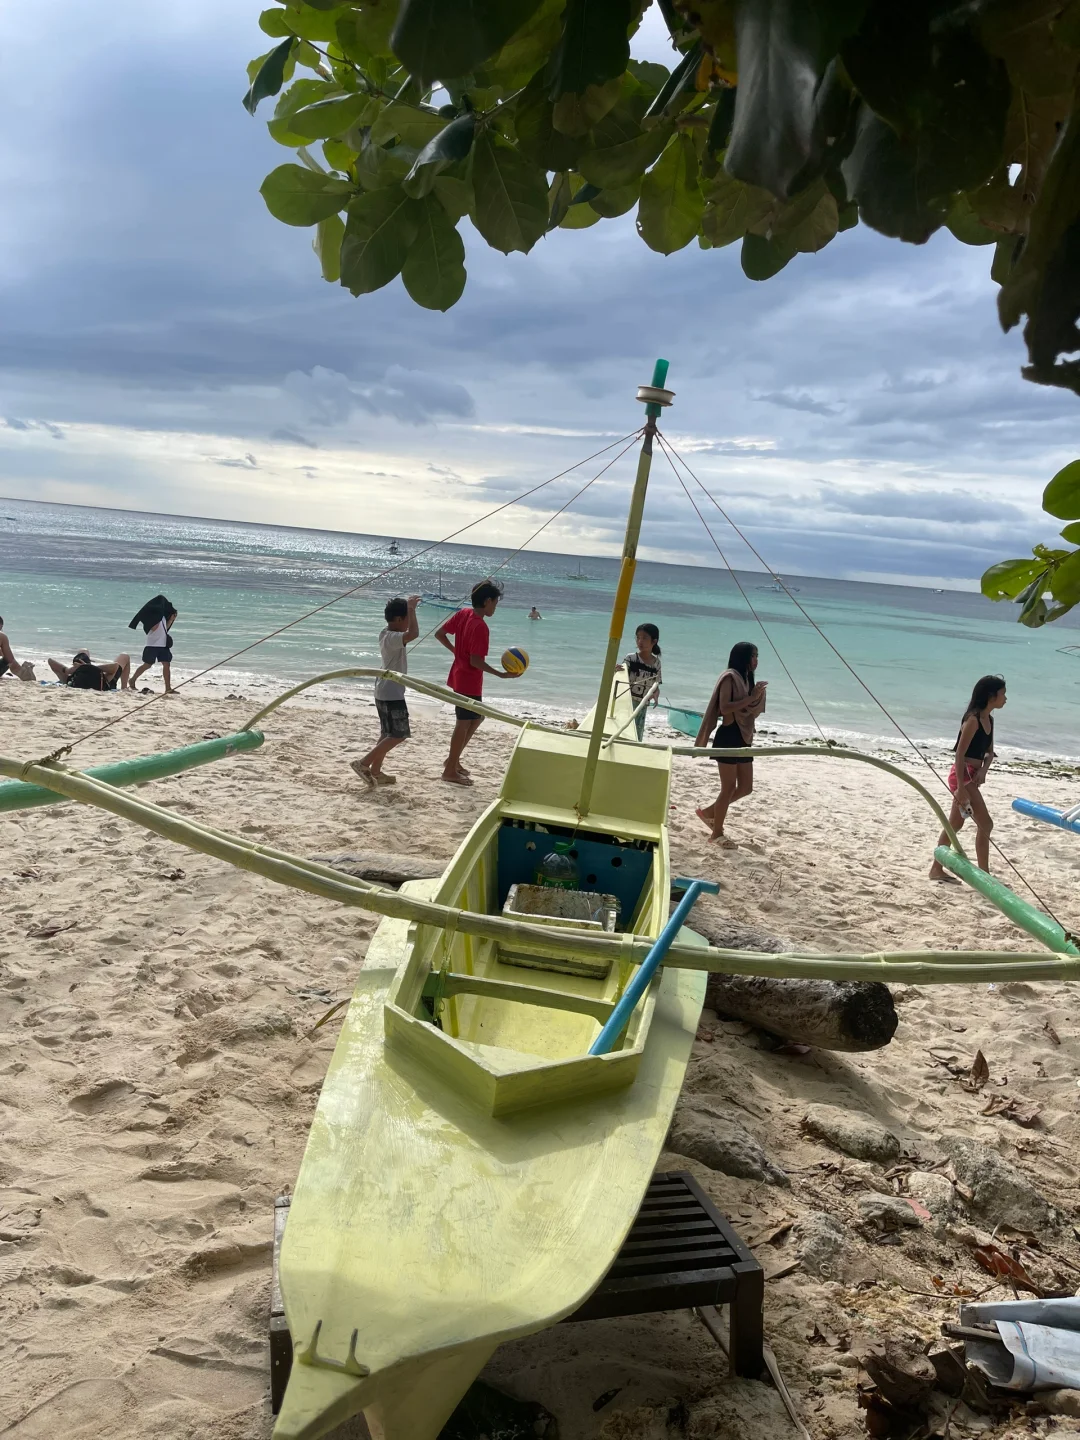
(680, 1253)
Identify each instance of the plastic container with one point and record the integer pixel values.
(558, 870)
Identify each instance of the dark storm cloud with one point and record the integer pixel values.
(940, 507)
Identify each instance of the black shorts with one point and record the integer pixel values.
(393, 719)
(463, 712)
(153, 653)
(729, 737)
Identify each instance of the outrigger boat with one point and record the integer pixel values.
(511, 1057)
(472, 1168)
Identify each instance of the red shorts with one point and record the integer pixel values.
(970, 771)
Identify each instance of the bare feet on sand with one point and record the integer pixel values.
(724, 842)
(456, 777)
(937, 873)
(705, 819)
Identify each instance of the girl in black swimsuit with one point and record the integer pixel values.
(974, 756)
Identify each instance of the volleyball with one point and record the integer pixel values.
(515, 661)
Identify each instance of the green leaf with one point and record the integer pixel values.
(442, 39)
(679, 85)
(576, 114)
(311, 23)
(716, 142)
(298, 196)
(409, 123)
(270, 76)
(1024, 33)
(1072, 533)
(671, 206)
(380, 165)
(364, 34)
(784, 49)
(338, 155)
(882, 176)
(733, 208)
(454, 195)
(538, 140)
(1044, 282)
(966, 225)
(434, 269)
(610, 203)
(1008, 578)
(808, 222)
(1061, 497)
(595, 45)
(620, 150)
(379, 232)
(526, 52)
(940, 92)
(327, 246)
(1065, 580)
(573, 215)
(763, 258)
(511, 205)
(450, 146)
(330, 117)
(274, 23)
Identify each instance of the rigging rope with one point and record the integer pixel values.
(362, 585)
(742, 592)
(554, 516)
(880, 704)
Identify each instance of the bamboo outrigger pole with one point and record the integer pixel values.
(655, 397)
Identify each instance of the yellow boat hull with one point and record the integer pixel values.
(472, 1171)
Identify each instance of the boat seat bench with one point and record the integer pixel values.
(680, 1254)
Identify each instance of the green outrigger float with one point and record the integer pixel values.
(498, 1095)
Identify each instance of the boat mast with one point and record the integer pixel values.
(655, 397)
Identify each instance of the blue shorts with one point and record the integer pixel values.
(153, 653)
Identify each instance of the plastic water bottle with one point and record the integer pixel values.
(557, 870)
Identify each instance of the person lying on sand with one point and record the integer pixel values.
(86, 674)
(974, 756)
(8, 664)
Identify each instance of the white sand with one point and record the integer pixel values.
(156, 1086)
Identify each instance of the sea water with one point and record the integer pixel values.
(72, 577)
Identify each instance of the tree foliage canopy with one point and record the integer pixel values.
(780, 124)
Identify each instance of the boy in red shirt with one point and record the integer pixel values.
(471, 641)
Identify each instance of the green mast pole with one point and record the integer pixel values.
(655, 397)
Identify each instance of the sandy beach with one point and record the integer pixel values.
(158, 1073)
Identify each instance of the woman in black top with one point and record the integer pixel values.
(974, 756)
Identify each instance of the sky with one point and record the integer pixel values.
(165, 345)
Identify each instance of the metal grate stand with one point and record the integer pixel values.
(680, 1254)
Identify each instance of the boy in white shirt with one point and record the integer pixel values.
(401, 627)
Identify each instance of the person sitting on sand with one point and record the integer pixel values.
(737, 700)
(974, 756)
(643, 670)
(401, 627)
(86, 674)
(534, 614)
(471, 641)
(8, 663)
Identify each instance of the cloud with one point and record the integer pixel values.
(50, 429)
(797, 400)
(244, 462)
(293, 437)
(329, 398)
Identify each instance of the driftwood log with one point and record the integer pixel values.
(382, 867)
(830, 1014)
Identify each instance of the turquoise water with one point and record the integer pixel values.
(72, 577)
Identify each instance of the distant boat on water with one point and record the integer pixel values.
(393, 548)
(580, 574)
(780, 589)
(1073, 651)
